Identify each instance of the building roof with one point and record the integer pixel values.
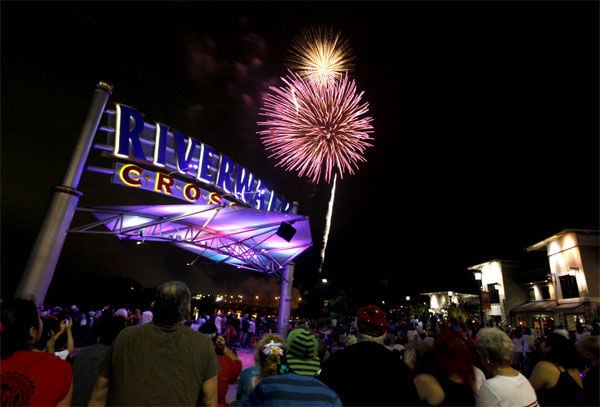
(541, 245)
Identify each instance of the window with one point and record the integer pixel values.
(568, 285)
(545, 292)
(494, 294)
(531, 294)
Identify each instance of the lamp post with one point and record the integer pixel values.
(478, 276)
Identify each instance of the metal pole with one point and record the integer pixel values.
(283, 315)
(481, 321)
(39, 270)
(285, 296)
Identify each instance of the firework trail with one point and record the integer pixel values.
(321, 55)
(327, 223)
(316, 130)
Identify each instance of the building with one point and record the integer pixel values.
(499, 289)
(563, 292)
(440, 301)
(574, 281)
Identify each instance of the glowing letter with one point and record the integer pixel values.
(160, 145)
(226, 168)
(184, 150)
(209, 164)
(130, 175)
(214, 198)
(191, 192)
(129, 126)
(163, 183)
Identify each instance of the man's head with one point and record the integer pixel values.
(171, 303)
(371, 323)
(302, 352)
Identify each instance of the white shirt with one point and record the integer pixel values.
(479, 377)
(507, 391)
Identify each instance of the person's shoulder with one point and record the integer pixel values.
(546, 366)
(250, 370)
(198, 338)
(358, 353)
(272, 379)
(133, 329)
(31, 357)
(374, 351)
(338, 357)
(361, 347)
(51, 361)
(425, 378)
(370, 346)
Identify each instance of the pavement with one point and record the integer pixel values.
(246, 355)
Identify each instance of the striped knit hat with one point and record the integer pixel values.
(302, 352)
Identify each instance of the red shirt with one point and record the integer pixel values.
(228, 374)
(34, 379)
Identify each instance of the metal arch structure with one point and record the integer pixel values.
(235, 235)
(232, 234)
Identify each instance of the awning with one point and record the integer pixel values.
(571, 306)
(536, 306)
(231, 234)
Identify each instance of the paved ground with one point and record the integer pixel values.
(246, 355)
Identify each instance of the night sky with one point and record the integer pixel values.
(485, 114)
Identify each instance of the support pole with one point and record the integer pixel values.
(283, 315)
(285, 296)
(481, 321)
(40, 267)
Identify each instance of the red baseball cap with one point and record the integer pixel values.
(371, 320)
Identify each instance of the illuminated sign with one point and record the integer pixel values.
(210, 177)
(133, 175)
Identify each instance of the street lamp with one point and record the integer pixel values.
(478, 276)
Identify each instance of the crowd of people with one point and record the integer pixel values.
(163, 357)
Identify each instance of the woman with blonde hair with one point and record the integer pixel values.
(267, 357)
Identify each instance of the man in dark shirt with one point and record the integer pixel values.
(163, 362)
(367, 373)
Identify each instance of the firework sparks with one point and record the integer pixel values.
(320, 55)
(316, 131)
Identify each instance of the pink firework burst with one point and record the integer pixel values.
(316, 131)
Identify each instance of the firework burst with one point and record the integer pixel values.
(316, 131)
(321, 55)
